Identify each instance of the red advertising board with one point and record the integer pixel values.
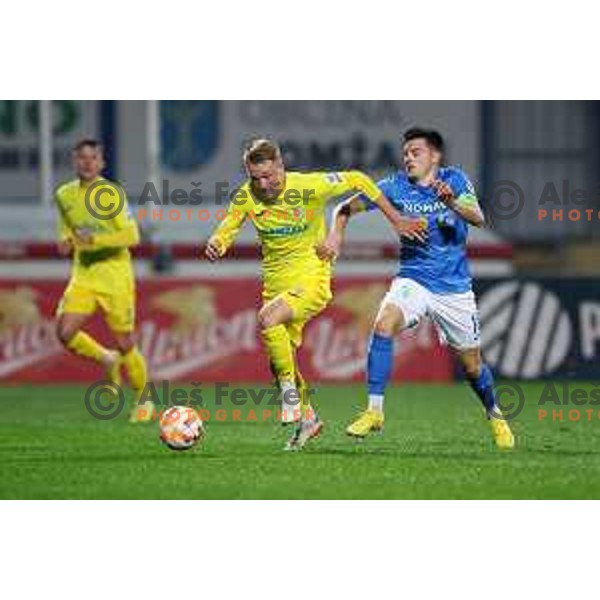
(205, 330)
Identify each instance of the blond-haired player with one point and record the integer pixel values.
(96, 227)
(288, 211)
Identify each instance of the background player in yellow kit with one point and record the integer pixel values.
(288, 212)
(95, 225)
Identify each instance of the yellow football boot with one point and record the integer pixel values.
(142, 413)
(370, 420)
(503, 436)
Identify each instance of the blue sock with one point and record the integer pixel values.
(379, 363)
(484, 387)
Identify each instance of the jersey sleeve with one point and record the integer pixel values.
(382, 185)
(235, 216)
(462, 188)
(123, 229)
(338, 183)
(63, 230)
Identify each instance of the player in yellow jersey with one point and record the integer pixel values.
(288, 211)
(96, 227)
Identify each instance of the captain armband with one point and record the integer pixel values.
(467, 201)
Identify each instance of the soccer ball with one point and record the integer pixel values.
(180, 428)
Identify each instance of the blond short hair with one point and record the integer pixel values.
(261, 150)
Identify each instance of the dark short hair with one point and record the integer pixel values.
(433, 138)
(88, 143)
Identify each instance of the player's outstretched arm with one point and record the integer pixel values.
(357, 181)
(329, 249)
(224, 235)
(404, 226)
(409, 227)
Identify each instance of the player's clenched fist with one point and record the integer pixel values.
(212, 250)
(329, 249)
(83, 238)
(444, 192)
(65, 247)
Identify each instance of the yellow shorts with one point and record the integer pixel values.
(306, 301)
(118, 309)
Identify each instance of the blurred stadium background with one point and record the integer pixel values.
(536, 279)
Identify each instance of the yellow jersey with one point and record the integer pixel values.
(100, 208)
(290, 226)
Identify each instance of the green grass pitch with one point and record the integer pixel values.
(436, 445)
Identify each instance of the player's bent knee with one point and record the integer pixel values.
(266, 318)
(389, 321)
(274, 313)
(124, 342)
(65, 332)
(383, 328)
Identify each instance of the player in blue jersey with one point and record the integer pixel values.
(433, 279)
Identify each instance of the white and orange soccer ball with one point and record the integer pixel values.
(180, 428)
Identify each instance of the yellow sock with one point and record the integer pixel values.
(85, 345)
(280, 352)
(135, 363)
(306, 409)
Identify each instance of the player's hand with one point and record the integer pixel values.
(329, 249)
(411, 228)
(84, 236)
(444, 192)
(212, 251)
(65, 247)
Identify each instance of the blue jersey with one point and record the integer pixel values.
(440, 264)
